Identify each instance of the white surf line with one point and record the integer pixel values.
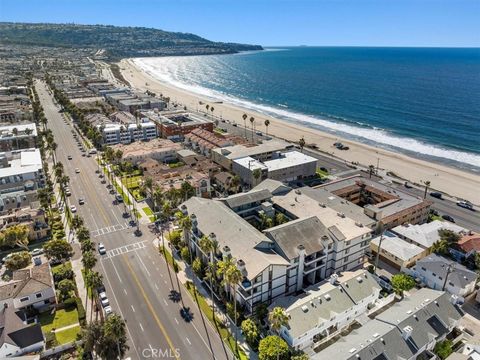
(119, 309)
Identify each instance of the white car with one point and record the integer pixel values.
(101, 249)
(73, 208)
(465, 205)
(36, 252)
(77, 171)
(104, 299)
(108, 310)
(69, 157)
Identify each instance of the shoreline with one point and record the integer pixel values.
(442, 177)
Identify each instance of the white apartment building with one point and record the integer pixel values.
(327, 308)
(126, 134)
(21, 170)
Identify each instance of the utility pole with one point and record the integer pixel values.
(378, 251)
(449, 270)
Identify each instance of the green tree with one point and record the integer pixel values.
(18, 260)
(250, 330)
(114, 338)
(257, 173)
(197, 267)
(89, 260)
(252, 121)
(58, 249)
(299, 355)
(277, 318)
(440, 247)
(302, 143)
(93, 280)
(427, 185)
(87, 245)
(280, 219)
(65, 288)
(402, 282)
(175, 237)
(83, 234)
(233, 276)
(244, 117)
(443, 349)
(16, 235)
(449, 236)
(77, 222)
(371, 170)
(185, 254)
(273, 348)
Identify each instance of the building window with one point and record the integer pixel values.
(38, 295)
(24, 299)
(345, 259)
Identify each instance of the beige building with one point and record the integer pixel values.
(162, 150)
(34, 219)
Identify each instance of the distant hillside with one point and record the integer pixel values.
(118, 42)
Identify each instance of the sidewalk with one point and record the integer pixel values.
(185, 274)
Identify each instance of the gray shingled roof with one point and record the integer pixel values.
(274, 186)
(13, 331)
(236, 200)
(307, 232)
(27, 281)
(460, 277)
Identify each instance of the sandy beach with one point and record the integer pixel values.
(451, 181)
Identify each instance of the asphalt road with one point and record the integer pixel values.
(136, 277)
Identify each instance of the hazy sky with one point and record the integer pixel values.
(275, 22)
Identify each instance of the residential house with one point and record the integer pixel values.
(16, 336)
(440, 273)
(33, 218)
(31, 287)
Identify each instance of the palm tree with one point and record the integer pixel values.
(234, 182)
(301, 143)
(208, 246)
(157, 197)
(267, 123)
(95, 280)
(186, 225)
(277, 318)
(371, 169)
(252, 121)
(83, 234)
(115, 330)
(427, 185)
(207, 106)
(87, 246)
(234, 277)
(77, 222)
(245, 116)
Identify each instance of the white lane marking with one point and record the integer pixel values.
(156, 286)
(141, 261)
(188, 340)
(116, 272)
(165, 281)
(119, 309)
(165, 302)
(133, 309)
(161, 275)
(176, 321)
(141, 327)
(125, 291)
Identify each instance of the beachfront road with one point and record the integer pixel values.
(135, 276)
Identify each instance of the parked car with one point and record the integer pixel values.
(68, 192)
(73, 208)
(448, 218)
(104, 299)
(36, 252)
(384, 278)
(119, 198)
(69, 157)
(92, 151)
(465, 205)
(407, 185)
(81, 201)
(77, 171)
(108, 310)
(436, 194)
(101, 249)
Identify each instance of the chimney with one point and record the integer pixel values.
(226, 251)
(241, 265)
(333, 279)
(407, 332)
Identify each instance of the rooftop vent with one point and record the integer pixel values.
(327, 297)
(359, 224)
(298, 192)
(352, 350)
(322, 205)
(340, 214)
(359, 279)
(376, 335)
(304, 308)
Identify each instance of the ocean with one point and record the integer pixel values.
(423, 102)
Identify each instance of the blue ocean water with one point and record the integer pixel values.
(423, 102)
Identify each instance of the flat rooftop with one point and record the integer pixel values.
(239, 151)
(398, 247)
(250, 163)
(289, 159)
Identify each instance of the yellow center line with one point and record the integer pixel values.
(150, 307)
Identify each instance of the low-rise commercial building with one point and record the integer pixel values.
(440, 273)
(425, 235)
(390, 207)
(262, 152)
(327, 308)
(177, 124)
(410, 329)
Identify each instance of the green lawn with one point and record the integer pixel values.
(175, 165)
(68, 335)
(58, 320)
(132, 182)
(147, 211)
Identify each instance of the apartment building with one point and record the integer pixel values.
(21, 170)
(410, 329)
(125, 134)
(390, 207)
(18, 136)
(327, 308)
(162, 150)
(177, 124)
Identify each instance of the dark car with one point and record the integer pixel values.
(119, 198)
(186, 314)
(407, 185)
(436, 195)
(384, 278)
(448, 218)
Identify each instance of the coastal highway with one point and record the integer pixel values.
(135, 276)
